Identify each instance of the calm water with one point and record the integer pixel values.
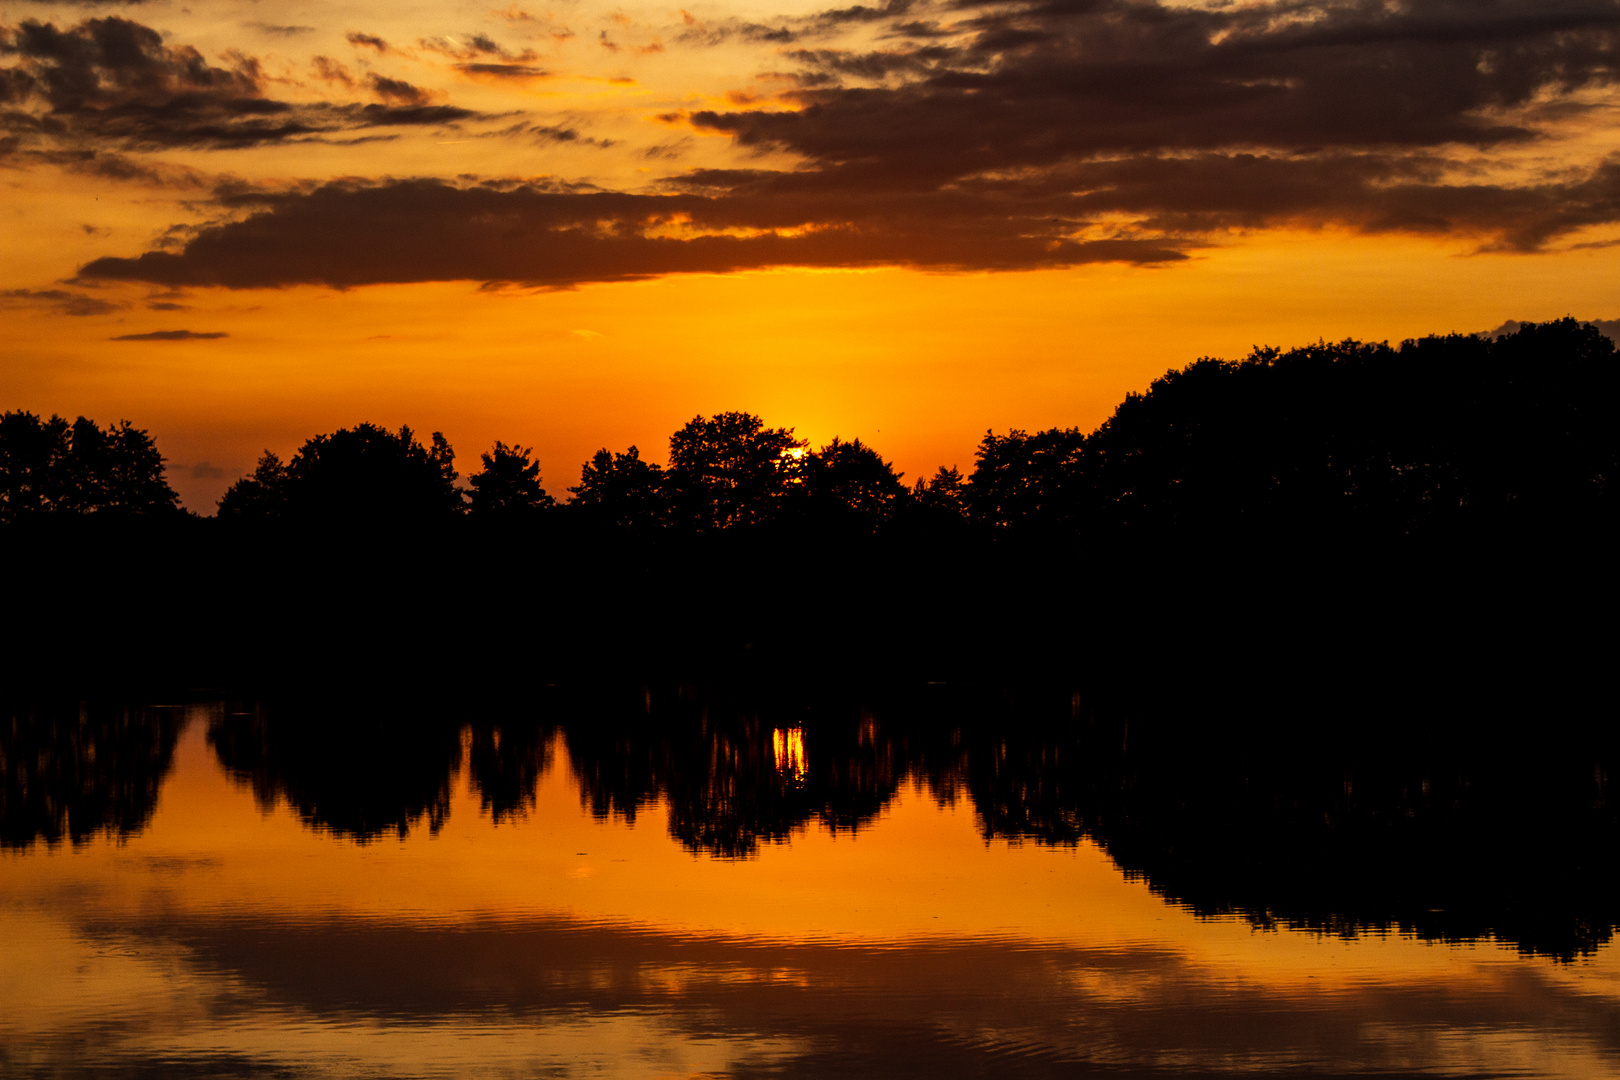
(206, 889)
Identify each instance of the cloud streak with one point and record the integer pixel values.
(172, 335)
(62, 301)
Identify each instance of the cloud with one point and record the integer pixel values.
(367, 41)
(171, 335)
(281, 31)
(110, 85)
(1030, 134)
(1197, 119)
(333, 71)
(63, 301)
(477, 48)
(505, 71)
(396, 90)
(345, 234)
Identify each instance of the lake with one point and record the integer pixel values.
(681, 881)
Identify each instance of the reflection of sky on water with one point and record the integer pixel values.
(226, 939)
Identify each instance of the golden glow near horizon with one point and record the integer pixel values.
(580, 226)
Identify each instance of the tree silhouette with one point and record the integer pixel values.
(943, 495)
(732, 470)
(1333, 440)
(852, 481)
(33, 463)
(260, 496)
(354, 476)
(50, 466)
(621, 491)
(508, 486)
(1022, 479)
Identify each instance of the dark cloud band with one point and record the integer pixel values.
(420, 230)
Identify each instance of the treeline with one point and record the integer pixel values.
(52, 467)
(1333, 439)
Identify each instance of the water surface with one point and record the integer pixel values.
(203, 889)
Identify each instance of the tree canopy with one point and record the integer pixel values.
(508, 486)
(357, 475)
(621, 491)
(730, 469)
(53, 467)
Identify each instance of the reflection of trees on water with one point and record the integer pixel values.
(359, 767)
(1327, 819)
(507, 755)
(717, 760)
(1322, 816)
(78, 769)
(366, 767)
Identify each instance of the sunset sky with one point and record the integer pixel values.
(578, 224)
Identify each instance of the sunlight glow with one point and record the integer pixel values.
(787, 745)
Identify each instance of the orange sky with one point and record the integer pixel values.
(580, 226)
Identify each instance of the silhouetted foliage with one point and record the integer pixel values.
(260, 496)
(1440, 433)
(77, 769)
(53, 467)
(622, 491)
(508, 486)
(354, 476)
(942, 496)
(1022, 479)
(850, 481)
(731, 470)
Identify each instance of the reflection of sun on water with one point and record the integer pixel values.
(788, 746)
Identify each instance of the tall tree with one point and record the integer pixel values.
(508, 486)
(851, 479)
(622, 491)
(1027, 480)
(731, 470)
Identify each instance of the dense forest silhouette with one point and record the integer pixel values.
(1460, 431)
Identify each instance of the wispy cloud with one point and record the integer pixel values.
(113, 85)
(62, 301)
(171, 335)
